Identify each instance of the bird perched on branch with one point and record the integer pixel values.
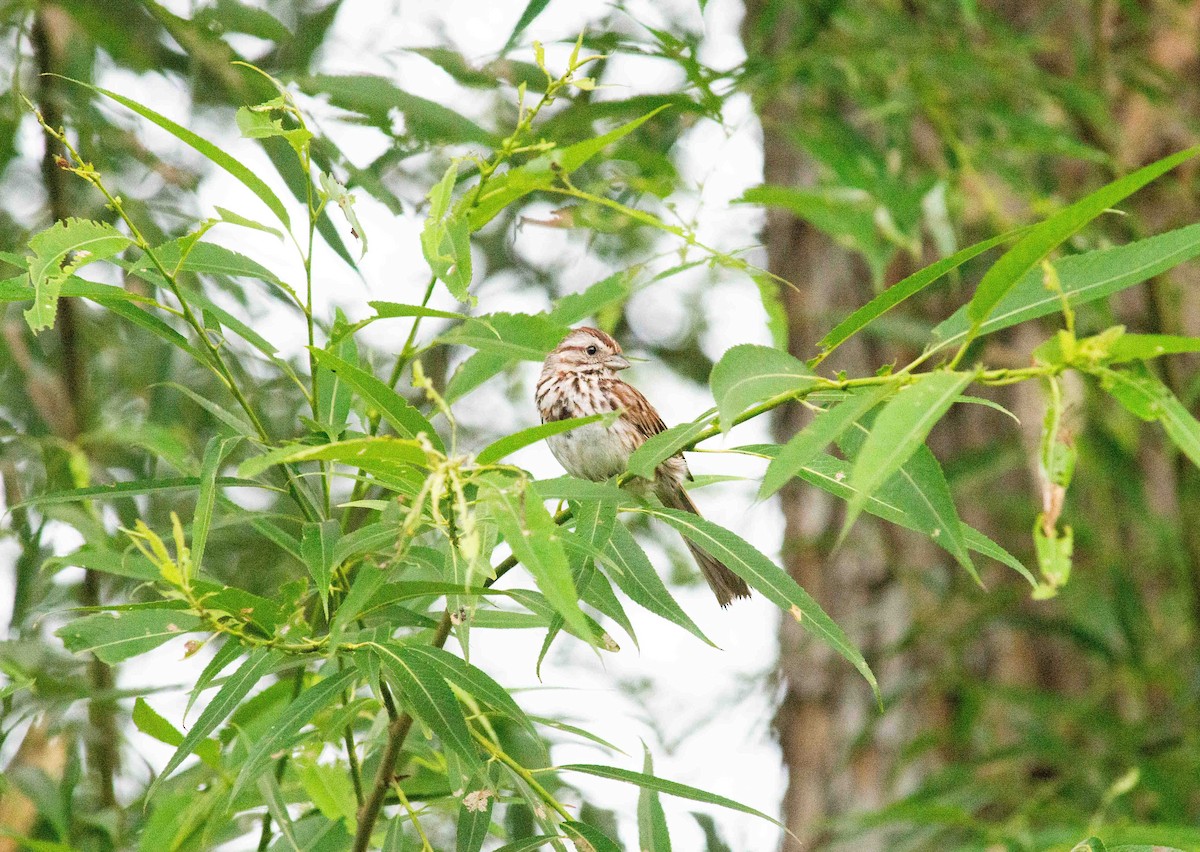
(579, 379)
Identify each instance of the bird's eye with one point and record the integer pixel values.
(591, 350)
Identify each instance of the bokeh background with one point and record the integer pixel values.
(896, 132)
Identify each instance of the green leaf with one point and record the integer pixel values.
(528, 337)
(825, 428)
(528, 844)
(379, 452)
(57, 252)
(905, 289)
(1084, 278)
(429, 698)
(1148, 398)
(395, 409)
(446, 241)
(765, 576)
(509, 444)
(395, 310)
(588, 838)
(573, 488)
(895, 502)
(259, 663)
(653, 835)
(377, 98)
(280, 735)
(1046, 236)
(629, 567)
(532, 9)
(541, 173)
(535, 542)
(117, 636)
(749, 374)
(899, 429)
(329, 788)
(317, 544)
(247, 177)
(235, 422)
(1142, 347)
(131, 489)
(333, 393)
(658, 448)
(471, 680)
(206, 499)
(661, 785)
(147, 720)
(474, 821)
(847, 214)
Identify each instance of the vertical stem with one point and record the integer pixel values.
(103, 740)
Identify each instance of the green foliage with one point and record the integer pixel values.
(379, 523)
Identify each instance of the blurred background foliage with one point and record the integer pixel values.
(893, 133)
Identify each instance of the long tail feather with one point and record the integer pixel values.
(725, 584)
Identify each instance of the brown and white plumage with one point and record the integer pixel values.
(578, 379)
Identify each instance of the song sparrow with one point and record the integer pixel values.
(579, 378)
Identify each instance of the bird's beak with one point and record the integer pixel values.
(617, 362)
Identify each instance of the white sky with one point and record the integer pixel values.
(705, 713)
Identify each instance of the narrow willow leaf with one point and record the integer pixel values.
(541, 173)
(247, 177)
(426, 694)
(1141, 347)
(527, 337)
(658, 448)
(825, 428)
(234, 421)
(317, 544)
(329, 788)
(1145, 396)
(534, 539)
(390, 310)
(532, 9)
(280, 735)
(395, 409)
(765, 576)
(528, 844)
(226, 654)
(653, 835)
(206, 499)
(446, 241)
(509, 444)
(57, 252)
(629, 567)
(905, 289)
(379, 99)
(1084, 278)
(670, 788)
(1046, 236)
(470, 679)
(588, 837)
(147, 720)
(117, 636)
(573, 488)
(259, 663)
(334, 395)
(151, 323)
(132, 489)
(899, 429)
(749, 374)
(359, 452)
(894, 502)
(475, 813)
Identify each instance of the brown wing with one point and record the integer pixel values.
(641, 415)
